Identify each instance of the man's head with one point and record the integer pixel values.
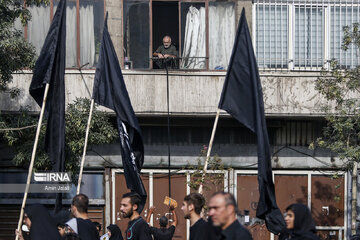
(79, 205)
(222, 209)
(192, 204)
(163, 221)
(129, 203)
(167, 41)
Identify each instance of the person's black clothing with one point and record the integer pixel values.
(202, 230)
(86, 229)
(304, 226)
(43, 226)
(235, 232)
(162, 233)
(138, 229)
(115, 232)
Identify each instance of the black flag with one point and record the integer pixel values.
(50, 68)
(242, 98)
(110, 91)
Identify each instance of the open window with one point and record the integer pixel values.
(203, 32)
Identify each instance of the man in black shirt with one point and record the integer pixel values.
(222, 210)
(192, 207)
(163, 233)
(137, 229)
(79, 209)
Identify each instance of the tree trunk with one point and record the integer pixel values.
(354, 199)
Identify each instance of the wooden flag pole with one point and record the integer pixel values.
(209, 151)
(85, 146)
(33, 157)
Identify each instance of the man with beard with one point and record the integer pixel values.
(79, 209)
(192, 207)
(164, 52)
(222, 210)
(137, 229)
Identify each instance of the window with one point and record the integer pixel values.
(84, 22)
(301, 34)
(203, 32)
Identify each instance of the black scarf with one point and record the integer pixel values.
(43, 226)
(115, 232)
(304, 226)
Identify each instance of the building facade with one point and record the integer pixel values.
(293, 41)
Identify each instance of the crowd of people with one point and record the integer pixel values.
(221, 222)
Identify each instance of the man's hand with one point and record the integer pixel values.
(161, 56)
(151, 210)
(19, 234)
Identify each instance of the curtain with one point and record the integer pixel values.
(272, 35)
(341, 17)
(87, 36)
(194, 40)
(309, 37)
(221, 34)
(38, 26)
(71, 34)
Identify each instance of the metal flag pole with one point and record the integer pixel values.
(168, 124)
(33, 158)
(85, 146)
(209, 151)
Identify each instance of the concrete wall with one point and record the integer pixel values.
(196, 93)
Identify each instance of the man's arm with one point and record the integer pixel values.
(151, 211)
(159, 55)
(175, 222)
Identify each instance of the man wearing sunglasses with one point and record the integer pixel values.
(138, 229)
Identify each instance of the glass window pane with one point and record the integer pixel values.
(309, 37)
(272, 36)
(38, 27)
(193, 38)
(221, 34)
(137, 33)
(91, 24)
(341, 17)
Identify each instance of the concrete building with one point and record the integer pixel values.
(293, 40)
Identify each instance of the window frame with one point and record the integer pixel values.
(151, 44)
(78, 56)
(326, 31)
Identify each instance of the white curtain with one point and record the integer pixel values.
(194, 40)
(38, 26)
(221, 34)
(71, 35)
(87, 36)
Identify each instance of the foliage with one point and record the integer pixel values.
(76, 117)
(15, 52)
(341, 87)
(215, 179)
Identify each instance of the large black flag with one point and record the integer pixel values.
(50, 68)
(110, 91)
(242, 98)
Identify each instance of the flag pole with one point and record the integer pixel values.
(209, 151)
(33, 158)
(85, 146)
